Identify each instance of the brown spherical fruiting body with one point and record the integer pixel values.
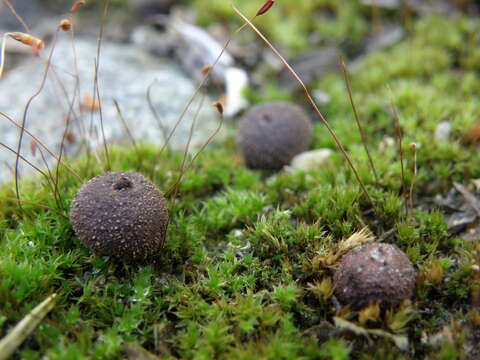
(120, 214)
(271, 134)
(374, 273)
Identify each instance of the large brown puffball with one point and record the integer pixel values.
(271, 134)
(120, 214)
(374, 272)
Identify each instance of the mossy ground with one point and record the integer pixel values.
(241, 275)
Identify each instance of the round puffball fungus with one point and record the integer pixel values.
(120, 214)
(271, 134)
(374, 272)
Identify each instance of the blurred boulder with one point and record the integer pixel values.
(311, 66)
(31, 12)
(144, 9)
(126, 72)
(158, 43)
(386, 37)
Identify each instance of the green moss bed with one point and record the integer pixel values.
(242, 274)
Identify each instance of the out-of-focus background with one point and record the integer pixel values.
(159, 47)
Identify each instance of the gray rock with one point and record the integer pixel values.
(147, 8)
(125, 74)
(459, 221)
(31, 12)
(192, 47)
(242, 47)
(311, 66)
(387, 37)
(161, 44)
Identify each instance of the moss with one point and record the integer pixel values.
(242, 276)
(333, 20)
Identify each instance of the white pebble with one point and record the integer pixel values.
(442, 132)
(309, 160)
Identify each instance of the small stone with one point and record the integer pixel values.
(386, 143)
(236, 82)
(443, 131)
(310, 160)
(321, 97)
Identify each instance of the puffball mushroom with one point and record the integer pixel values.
(374, 273)
(271, 134)
(120, 214)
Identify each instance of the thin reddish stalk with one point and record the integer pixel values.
(154, 112)
(310, 100)
(96, 90)
(400, 148)
(357, 118)
(17, 16)
(100, 112)
(127, 131)
(78, 177)
(78, 90)
(187, 147)
(31, 164)
(413, 147)
(64, 136)
(209, 140)
(34, 203)
(207, 72)
(200, 86)
(71, 104)
(24, 119)
(25, 160)
(56, 194)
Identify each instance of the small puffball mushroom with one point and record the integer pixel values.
(374, 273)
(120, 214)
(271, 134)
